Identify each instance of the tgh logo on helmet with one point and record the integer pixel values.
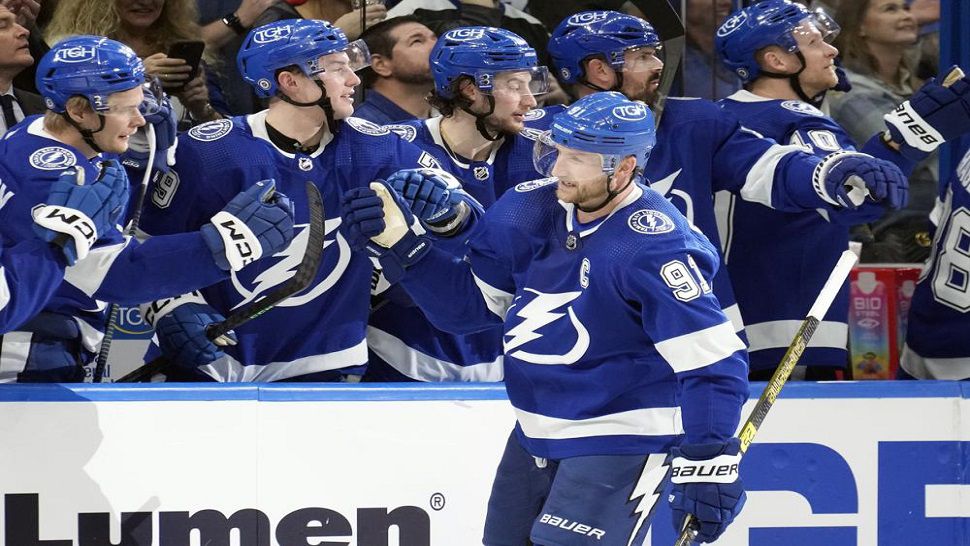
(630, 112)
(270, 35)
(462, 34)
(732, 23)
(76, 54)
(587, 18)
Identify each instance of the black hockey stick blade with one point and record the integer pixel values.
(821, 306)
(301, 279)
(664, 19)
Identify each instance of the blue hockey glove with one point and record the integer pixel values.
(843, 85)
(706, 484)
(257, 222)
(182, 336)
(380, 223)
(847, 178)
(434, 196)
(161, 117)
(75, 215)
(934, 114)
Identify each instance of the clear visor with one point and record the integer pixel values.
(150, 104)
(528, 81)
(352, 59)
(642, 59)
(560, 161)
(817, 22)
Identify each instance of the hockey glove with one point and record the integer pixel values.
(182, 335)
(434, 196)
(706, 484)
(380, 223)
(934, 114)
(257, 222)
(845, 179)
(75, 215)
(161, 116)
(843, 85)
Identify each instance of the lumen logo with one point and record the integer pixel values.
(252, 527)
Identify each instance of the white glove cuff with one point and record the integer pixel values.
(70, 222)
(241, 245)
(157, 309)
(720, 469)
(916, 132)
(856, 187)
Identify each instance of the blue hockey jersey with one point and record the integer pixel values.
(615, 347)
(779, 261)
(937, 344)
(30, 273)
(321, 329)
(118, 269)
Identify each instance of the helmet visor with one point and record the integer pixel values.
(642, 59)
(817, 22)
(555, 160)
(527, 81)
(154, 97)
(355, 57)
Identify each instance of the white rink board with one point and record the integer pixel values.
(821, 471)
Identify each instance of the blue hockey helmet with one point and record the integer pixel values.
(93, 67)
(605, 123)
(481, 53)
(293, 42)
(605, 33)
(771, 22)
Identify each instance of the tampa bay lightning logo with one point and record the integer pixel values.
(732, 23)
(534, 184)
(53, 158)
(272, 34)
(588, 17)
(288, 260)
(367, 127)
(76, 54)
(464, 34)
(531, 133)
(631, 112)
(534, 114)
(551, 313)
(801, 108)
(650, 222)
(406, 132)
(213, 130)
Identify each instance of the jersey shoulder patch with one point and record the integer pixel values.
(53, 158)
(800, 107)
(534, 114)
(534, 184)
(211, 130)
(367, 127)
(406, 132)
(530, 133)
(650, 222)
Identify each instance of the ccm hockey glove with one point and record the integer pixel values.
(257, 222)
(706, 484)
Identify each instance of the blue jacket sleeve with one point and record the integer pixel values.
(30, 273)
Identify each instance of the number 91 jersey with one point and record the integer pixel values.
(937, 345)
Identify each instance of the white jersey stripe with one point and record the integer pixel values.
(921, 367)
(4, 289)
(639, 422)
(13, 355)
(760, 180)
(424, 367)
(701, 348)
(229, 369)
(88, 274)
(498, 301)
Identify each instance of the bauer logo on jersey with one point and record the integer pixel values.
(732, 23)
(631, 112)
(53, 158)
(534, 184)
(270, 35)
(406, 132)
(213, 130)
(588, 17)
(367, 127)
(650, 222)
(801, 108)
(464, 34)
(76, 54)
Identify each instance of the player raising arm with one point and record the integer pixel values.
(600, 281)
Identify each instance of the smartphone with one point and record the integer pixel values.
(191, 52)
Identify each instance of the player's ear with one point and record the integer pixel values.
(624, 171)
(79, 108)
(599, 73)
(468, 89)
(773, 59)
(286, 81)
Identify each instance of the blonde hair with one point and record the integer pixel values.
(55, 122)
(178, 21)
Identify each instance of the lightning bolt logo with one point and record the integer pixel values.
(285, 268)
(665, 187)
(647, 489)
(538, 313)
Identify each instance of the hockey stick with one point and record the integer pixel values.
(815, 314)
(301, 279)
(109, 332)
(668, 25)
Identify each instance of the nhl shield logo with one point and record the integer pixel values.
(650, 222)
(481, 173)
(305, 164)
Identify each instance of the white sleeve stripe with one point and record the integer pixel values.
(779, 333)
(498, 301)
(760, 180)
(88, 274)
(701, 348)
(4, 289)
(639, 422)
(424, 367)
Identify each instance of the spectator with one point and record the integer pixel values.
(704, 75)
(400, 76)
(29, 13)
(149, 27)
(14, 58)
(875, 38)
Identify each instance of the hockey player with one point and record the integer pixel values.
(780, 51)
(92, 87)
(32, 270)
(702, 149)
(937, 345)
(486, 80)
(609, 324)
(306, 68)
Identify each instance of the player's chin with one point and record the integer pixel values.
(118, 145)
